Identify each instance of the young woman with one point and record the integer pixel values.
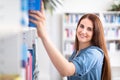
(90, 60)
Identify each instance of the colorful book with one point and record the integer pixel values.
(34, 5)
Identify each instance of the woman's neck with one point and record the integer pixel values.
(82, 46)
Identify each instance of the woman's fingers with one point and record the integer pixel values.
(38, 18)
(37, 15)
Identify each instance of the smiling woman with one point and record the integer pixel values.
(89, 60)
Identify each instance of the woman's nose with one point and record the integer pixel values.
(84, 30)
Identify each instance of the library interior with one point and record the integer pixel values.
(23, 55)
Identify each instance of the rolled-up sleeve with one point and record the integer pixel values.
(85, 61)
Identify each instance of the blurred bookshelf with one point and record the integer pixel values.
(18, 42)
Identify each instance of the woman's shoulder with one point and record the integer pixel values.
(93, 50)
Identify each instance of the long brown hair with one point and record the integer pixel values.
(98, 40)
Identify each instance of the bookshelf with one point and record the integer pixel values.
(111, 24)
(10, 40)
(18, 42)
(10, 54)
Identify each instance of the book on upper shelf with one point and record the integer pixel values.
(34, 5)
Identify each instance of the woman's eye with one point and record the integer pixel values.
(89, 29)
(81, 26)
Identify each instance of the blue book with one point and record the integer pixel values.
(34, 5)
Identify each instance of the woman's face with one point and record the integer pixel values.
(85, 31)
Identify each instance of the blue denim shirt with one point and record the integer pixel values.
(88, 64)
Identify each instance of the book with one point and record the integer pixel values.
(33, 5)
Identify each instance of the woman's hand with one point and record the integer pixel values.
(39, 21)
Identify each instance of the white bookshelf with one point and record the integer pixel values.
(12, 36)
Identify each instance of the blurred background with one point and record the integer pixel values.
(22, 55)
